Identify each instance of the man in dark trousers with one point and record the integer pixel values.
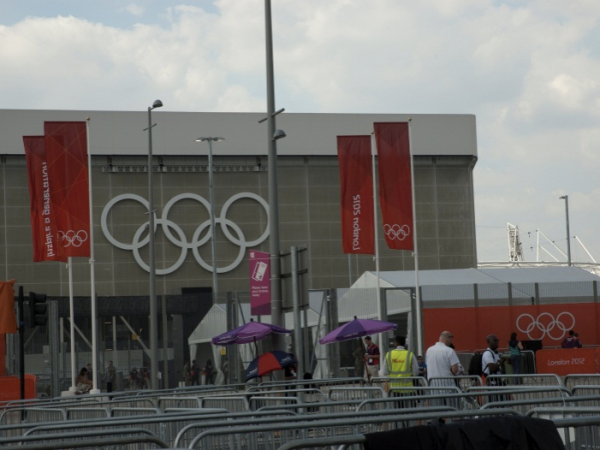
(371, 358)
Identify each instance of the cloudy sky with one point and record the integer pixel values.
(528, 70)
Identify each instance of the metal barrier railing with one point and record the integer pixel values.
(564, 412)
(233, 403)
(582, 390)
(352, 393)
(258, 402)
(499, 393)
(325, 407)
(545, 379)
(85, 412)
(579, 433)
(165, 426)
(93, 438)
(382, 382)
(187, 402)
(462, 381)
(323, 384)
(590, 379)
(187, 434)
(270, 437)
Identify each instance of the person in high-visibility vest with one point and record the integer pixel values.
(400, 363)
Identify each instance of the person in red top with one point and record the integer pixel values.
(371, 358)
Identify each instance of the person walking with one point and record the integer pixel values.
(359, 359)
(133, 379)
(187, 377)
(371, 358)
(491, 361)
(195, 374)
(491, 364)
(400, 363)
(422, 367)
(209, 371)
(145, 381)
(515, 347)
(111, 377)
(442, 366)
(442, 361)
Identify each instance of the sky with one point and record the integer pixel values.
(528, 70)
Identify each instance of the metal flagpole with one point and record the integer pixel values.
(94, 389)
(376, 234)
(418, 306)
(73, 387)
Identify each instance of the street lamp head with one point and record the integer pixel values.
(563, 197)
(278, 134)
(214, 139)
(157, 104)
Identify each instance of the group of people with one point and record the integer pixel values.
(440, 362)
(139, 379)
(192, 373)
(85, 383)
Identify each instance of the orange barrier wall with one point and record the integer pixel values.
(547, 323)
(10, 387)
(564, 362)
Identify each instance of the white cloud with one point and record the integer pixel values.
(134, 9)
(528, 70)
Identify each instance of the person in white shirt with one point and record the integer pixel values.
(491, 361)
(442, 361)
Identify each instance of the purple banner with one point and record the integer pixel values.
(260, 283)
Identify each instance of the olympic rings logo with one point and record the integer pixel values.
(396, 231)
(545, 323)
(72, 238)
(180, 240)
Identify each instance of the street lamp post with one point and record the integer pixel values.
(276, 298)
(213, 229)
(152, 257)
(566, 199)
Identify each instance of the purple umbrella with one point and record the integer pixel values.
(250, 332)
(357, 328)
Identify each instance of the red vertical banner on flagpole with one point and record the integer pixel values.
(356, 180)
(8, 318)
(46, 245)
(395, 184)
(66, 155)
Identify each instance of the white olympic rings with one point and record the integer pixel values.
(545, 328)
(180, 240)
(73, 238)
(396, 231)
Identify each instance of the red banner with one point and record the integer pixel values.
(46, 246)
(395, 184)
(547, 323)
(66, 155)
(356, 179)
(8, 318)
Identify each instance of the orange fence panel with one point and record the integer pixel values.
(564, 362)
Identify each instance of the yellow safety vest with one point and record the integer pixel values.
(399, 364)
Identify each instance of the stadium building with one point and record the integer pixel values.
(444, 151)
